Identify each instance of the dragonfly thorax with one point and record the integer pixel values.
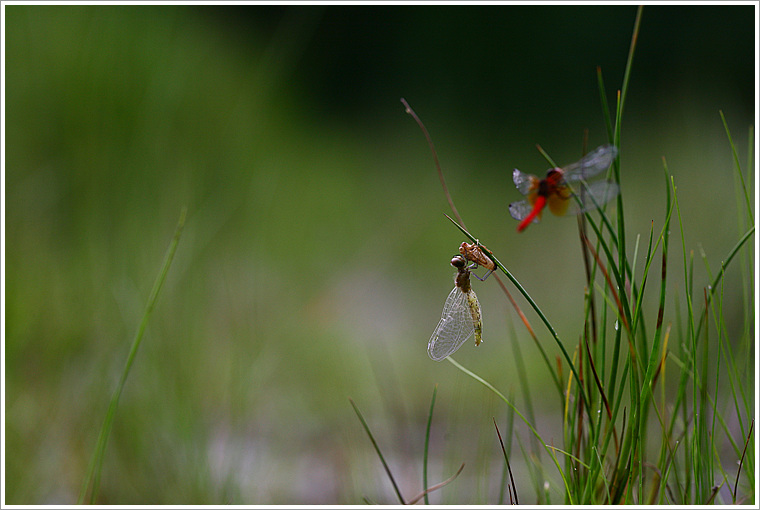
(548, 185)
(462, 278)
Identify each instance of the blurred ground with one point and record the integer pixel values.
(314, 262)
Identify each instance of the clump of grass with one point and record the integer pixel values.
(626, 440)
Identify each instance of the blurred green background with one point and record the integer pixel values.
(314, 262)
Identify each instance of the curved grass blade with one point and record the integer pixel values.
(738, 168)
(377, 449)
(506, 459)
(92, 480)
(525, 420)
(741, 462)
(427, 444)
(722, 272)
(436, 486)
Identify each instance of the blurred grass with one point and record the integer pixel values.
(315, 257)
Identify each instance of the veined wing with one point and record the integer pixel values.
(592, 164)
(520, 210)
(524, 182)
(455, 327)
(593, 195)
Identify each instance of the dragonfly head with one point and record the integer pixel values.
(458, 261)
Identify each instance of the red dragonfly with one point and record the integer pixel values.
(555, 189)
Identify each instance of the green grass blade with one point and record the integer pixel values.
(522, 375)
(498, 394)
(605, 107)
(629, 62)
(506, 461)
(94, 469)
(427, 445)
(377, 449)
(546, 156)
(739, 169)
(571, 456)
(654, 357)
(722, 271)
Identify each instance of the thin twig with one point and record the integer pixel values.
(436, 487)
(609, 284)
(712, 495)
(435, 158)
(736, 483)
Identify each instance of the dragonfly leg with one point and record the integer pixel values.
(485, 276)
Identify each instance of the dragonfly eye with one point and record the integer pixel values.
(458, 262)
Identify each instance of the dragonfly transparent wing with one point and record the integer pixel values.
(455, 327)
(593, 195)
(592, 164)
(524, 182)
(519, 210)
